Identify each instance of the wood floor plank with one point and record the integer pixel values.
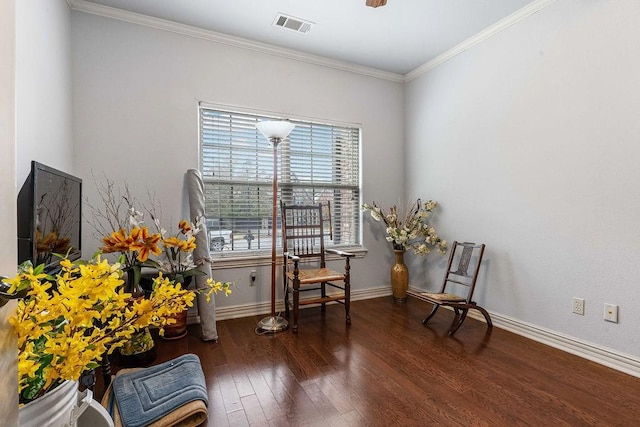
(387, 368)
(238, 418)
(322, 403)
(230, 395)
(253, 410)
(217, 414)
(265, 397)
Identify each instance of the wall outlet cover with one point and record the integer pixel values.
(578, 306)
(611, 313)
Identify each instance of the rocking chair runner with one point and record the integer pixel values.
(460, 278)
(303, 230)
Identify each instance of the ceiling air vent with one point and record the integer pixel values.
(291, 23)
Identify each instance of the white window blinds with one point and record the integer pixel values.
(316, 163)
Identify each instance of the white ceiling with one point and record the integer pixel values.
(397, 38)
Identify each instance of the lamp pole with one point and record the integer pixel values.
(274, 216)
(275, 132)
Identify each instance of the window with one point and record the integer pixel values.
(316, 163)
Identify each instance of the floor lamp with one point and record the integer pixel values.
(275, 132)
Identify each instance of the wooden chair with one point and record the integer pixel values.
(461, 279)
(303, 231)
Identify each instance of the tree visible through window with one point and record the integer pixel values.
(317, 163)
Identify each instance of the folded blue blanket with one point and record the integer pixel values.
(149, 394)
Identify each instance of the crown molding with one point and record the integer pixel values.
(483, 35)
(190, 31)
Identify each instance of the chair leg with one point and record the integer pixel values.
(457, 321)
(433, 312)
(323, 293)
(286, 299)
(347, 301)
(296, 306)
(486, 316)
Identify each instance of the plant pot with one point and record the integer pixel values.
(179, 329)
(53, 409)
(176, 330)
(399, 277)
(138, 351)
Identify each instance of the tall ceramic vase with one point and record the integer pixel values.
(399, 277)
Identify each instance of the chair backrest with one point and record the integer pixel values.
(463, 266)
(303, 230)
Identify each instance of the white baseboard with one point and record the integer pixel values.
(593, 352)
(247, 310)
(596, 353)
(590, 351)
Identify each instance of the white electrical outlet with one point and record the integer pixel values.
(611, 313)
(578, 306)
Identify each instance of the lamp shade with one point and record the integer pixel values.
(275, 128)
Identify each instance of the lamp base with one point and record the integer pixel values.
(273, 324)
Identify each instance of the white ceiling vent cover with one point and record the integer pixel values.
(291, 23)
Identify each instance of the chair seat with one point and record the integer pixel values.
(443, 297)
(316, 275)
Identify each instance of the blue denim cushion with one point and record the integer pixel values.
(149, 394)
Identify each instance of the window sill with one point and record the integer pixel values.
(221, 262)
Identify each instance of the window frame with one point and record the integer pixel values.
(243, 258)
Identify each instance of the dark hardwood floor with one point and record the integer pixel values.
(388, 369)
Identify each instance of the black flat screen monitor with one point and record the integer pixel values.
(49, 217)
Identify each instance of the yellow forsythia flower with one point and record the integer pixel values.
(66, 327)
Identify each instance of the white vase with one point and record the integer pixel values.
(53, 409)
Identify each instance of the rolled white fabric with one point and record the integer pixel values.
(201, 257)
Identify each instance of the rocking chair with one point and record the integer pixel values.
(460, 278)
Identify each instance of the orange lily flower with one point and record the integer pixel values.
(171, 242)
(118, 241)
(145, 243)
(184, 226)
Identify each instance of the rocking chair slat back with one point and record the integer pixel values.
(303, 230)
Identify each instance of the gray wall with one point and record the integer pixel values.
(35, 86)
(527, 140)
(135, 117)
(8, 345)
(43, 86)
(530, 142)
